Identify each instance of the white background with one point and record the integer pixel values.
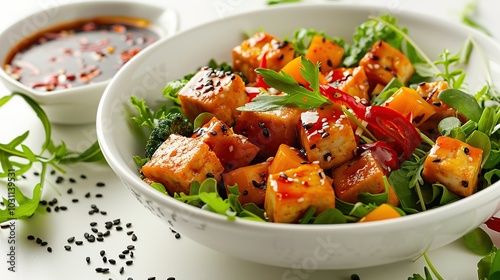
(158, 253)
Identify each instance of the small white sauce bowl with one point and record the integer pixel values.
(77, 105)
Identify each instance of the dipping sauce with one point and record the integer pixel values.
(78, 53)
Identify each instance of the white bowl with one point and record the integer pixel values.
(77, 105)
(288, 245)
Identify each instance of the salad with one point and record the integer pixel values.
(310, 129)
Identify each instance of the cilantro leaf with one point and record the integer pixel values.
(294, 95)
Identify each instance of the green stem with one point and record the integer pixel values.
(431, 266)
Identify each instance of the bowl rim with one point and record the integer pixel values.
(160, 30)
(414, 220)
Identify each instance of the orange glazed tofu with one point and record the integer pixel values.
(290, 193)
(213, 91)
(326, 52)
(251, 181)
(361, 175)
(352, 81)
(327, 136)
(179, 161)
(269, 129)
(233, 150)
(454, 164)
(248, 56)
(384, 62)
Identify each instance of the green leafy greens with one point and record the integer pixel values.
(16, 159)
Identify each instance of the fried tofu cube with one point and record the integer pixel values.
(251, 181)
(362, 174)
(248, 55)
(326, 52)
(454, 164)
(213, 91)
(430, 91)
(290, 193)
(179, 161)
(233, 150)
(268, 130)
(327, 136)
(384, 62)
(411, 105)
(352, 81)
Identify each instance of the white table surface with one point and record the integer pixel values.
(158, 253)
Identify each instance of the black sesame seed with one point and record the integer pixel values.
(100, 239)
(69, 191)
(72, 180)
(121, 270)
(87, 195)
(38, 240)
(436, 104)
(87, 259)
(128, 225)
(102, 253)
(104, 259)
(44, 243)
(117, 222)
(119, 228)
(93, 224)
(313, 146)
(49, 249)
(59, 179)
(131, 247)
(52, 172)
(104, 213)
(121, 256)
(71, 239)
(129, 262)
(245, 192)
(79, 242)
(353, 277)
(130, 232)
(106, 233)
(98, 269)
(67, 247)
(466, 150)
(436, 160)
(98, 195)
(63, 208)
(112, 261)
(134, 237)
(36, 173)
(131, 254)
(125, 251)
(177, 236)
(100, 184)
(266, 132)
(171, 278)
(86, 235)
(31, 237)
(465, 183)
(91, 238)
(43, 202)
(75, 200)
(56, 208)
(83, 176)
(48, 209)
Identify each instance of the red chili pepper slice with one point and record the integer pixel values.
(386, 156)
(493, 223)
(387, 121)
(260, 81)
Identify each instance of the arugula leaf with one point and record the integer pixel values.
(478, 242)
(462, 102)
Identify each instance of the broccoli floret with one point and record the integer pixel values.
(173, 123)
